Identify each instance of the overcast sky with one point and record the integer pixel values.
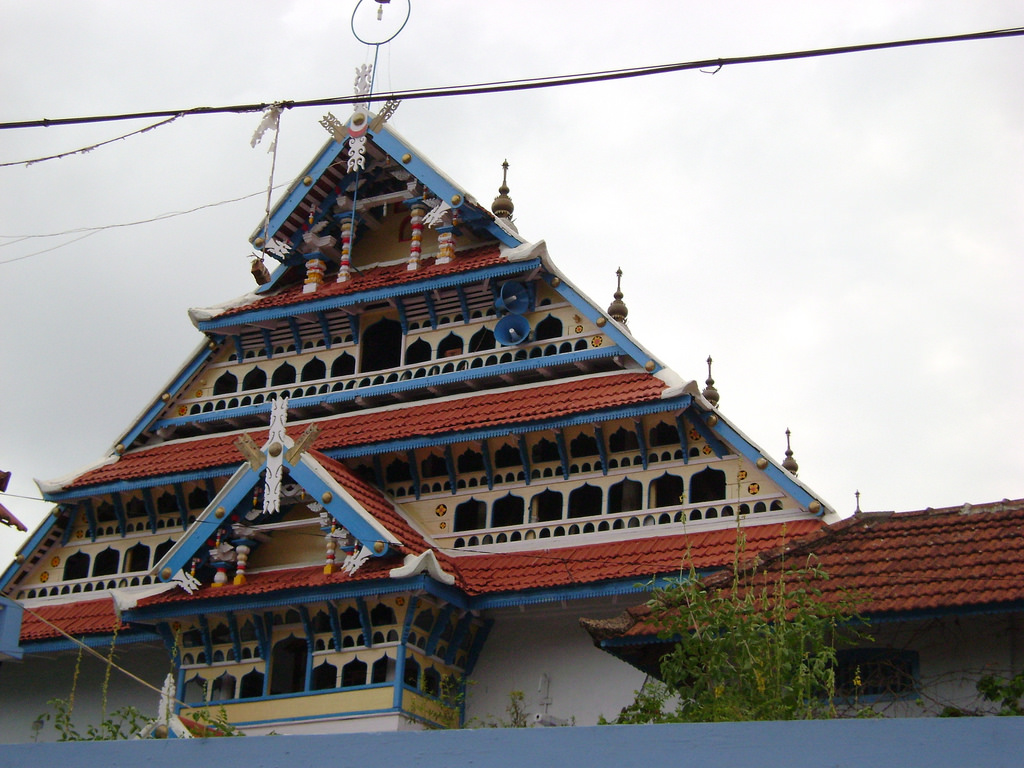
(843, 235)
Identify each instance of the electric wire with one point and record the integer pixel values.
(505, 86)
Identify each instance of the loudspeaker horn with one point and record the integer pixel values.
(513, 297)
(512, 330)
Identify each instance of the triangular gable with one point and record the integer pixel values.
(325, 178)
(267, 466)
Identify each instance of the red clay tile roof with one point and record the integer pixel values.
(377, 277)
(80, 618)
(639, 559)
(514, 406)
(969, 557)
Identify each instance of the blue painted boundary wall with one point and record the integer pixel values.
(937, 743)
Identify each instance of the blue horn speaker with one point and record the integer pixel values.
(512, 330)
(513, 298)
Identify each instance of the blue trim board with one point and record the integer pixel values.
(411, 287)
(28, 548)
(125, 637)
(592, 313)
(158, 405)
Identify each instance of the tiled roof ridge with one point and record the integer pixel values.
(377, 276)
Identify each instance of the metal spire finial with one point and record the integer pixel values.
(617, 309)
(710, 393)
(856, 495)
(502, 206)
(789, 463)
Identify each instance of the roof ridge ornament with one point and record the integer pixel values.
(710, 393)
(502, 207)
(789, 463)
(618, 309)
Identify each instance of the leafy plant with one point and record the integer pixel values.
(1007, 692)
(750, 645)
(122, 723)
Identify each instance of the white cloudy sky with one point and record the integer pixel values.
(844, 235)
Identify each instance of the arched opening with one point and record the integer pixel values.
(397, 472)
(470, 515)
(381, 346)
(383, 670)
(546, 506)
(664, 433)
(314, 370)
(545, 450)
(162, 549)
(223, 688)
(225, 384)
(470, 461)
(106, 562)
(585, 501)
(666, 491)
(137, 558)
(343, 365)
(482, 340)
(198, 498)
(622, 440)
(195, 690)
(507, 456)
(382, 614)
(283, 374)
(76, 566)
(548, 328)
(254, 379)
(583, 445)
(349, 619)
(252, 685)
(625, 496)
(417, 352)
(450, 346)
(288, 666)
(508, 510)
(433, 465)
(707, 485)
(353, 673)
(325, 677)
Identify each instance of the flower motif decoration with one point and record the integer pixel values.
(579, 329)
(55, 561)
(79, 534)
(444, 525)
(597, 341)
(182, 410)
(753, 489)
(199, 393)
(706, 450)
(694, 434)
(44, 576)
(399, 601)
(441, 510)
(741, 475)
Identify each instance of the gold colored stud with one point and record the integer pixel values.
(555, 282)
(379, 546)
(762, 462)
(119, 449)
(259, 242)
(165, 574)
(602, 322)
(327, 497)
(406, 158)
(649, 366)
(308, 181)
(165, 396)
(814, 507)
(275, 449)
(218, 512)
(19, 559)
(456, 199)
(712, 420)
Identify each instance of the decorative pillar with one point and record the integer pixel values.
(446, 244)
(346, 250)
(330, 545)
(416, 247)
(242, 550)
(315, 267)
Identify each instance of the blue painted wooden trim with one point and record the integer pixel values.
(524, 457)
(641, 440)
(268, 343)
(438, 628)
(236, 640)
(147, 501)
(403, 320)
(450, 466)
(414, 471)
(293, 324)
(602, 449)
(332, 614)
(158, 405)
(72, 510)
(353, 327)
(610, 329)
(401, 652)
(557, 594)
(751, 453)
(563, 453)
(464, 303)
(179, 493)
(325, 329)
(263, 635)
(410, 615)
(478, 645)
(204, 629)
(339, 509)
(378, 472)
(461, 628)
(364, 621)
(90, 516)
(310, 642)
(239, 346)
(428, 300)
(163, 628)
(206, 527)
(279, 215)
(92, 641)
(412, 287)
(684, 438)
(485, 451)
(706, 432)
(122, 522)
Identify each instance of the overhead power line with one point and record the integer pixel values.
(525, 84)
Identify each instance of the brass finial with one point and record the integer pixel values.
(617, 309)
(789, 463)
(710, 393)
(856, 495)
(502, 206)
